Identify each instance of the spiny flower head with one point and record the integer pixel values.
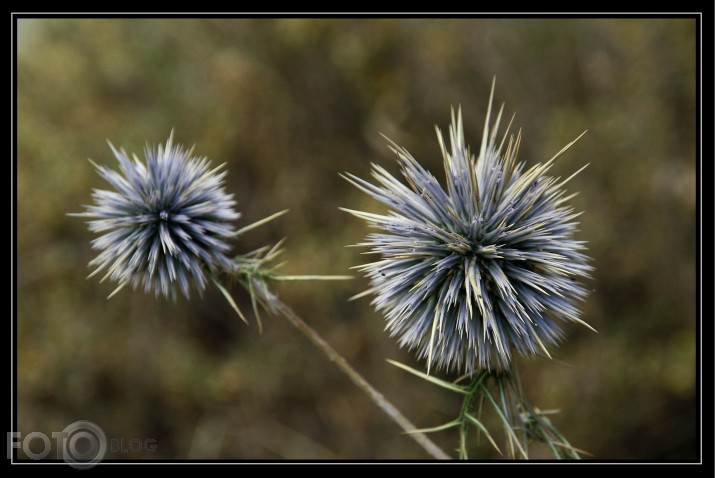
(470, 273)
(165, 224)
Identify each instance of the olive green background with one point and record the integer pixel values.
(290, 103)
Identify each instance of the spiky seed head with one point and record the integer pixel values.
(471, 273)
(165, 224)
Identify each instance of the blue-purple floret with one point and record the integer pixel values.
(470, 273)
(165, 224)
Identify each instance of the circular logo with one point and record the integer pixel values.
(84, 444)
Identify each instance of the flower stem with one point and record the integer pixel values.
(466, 418)
(278, 306)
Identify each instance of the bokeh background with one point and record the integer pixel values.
(290, 103)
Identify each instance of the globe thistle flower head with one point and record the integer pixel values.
(165, 224)
(470, 273)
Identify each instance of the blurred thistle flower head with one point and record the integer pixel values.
(165, 224)
(488, 266)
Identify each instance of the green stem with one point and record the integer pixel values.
(467, 405)
(503, 414)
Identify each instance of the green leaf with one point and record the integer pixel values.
(429, 378)
(507, 425)
(229, 299)
(261, 222)
(254, 304)
(309, 277)
(438, 428)
(484, 430)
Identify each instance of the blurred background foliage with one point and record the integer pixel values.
(289, 103)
